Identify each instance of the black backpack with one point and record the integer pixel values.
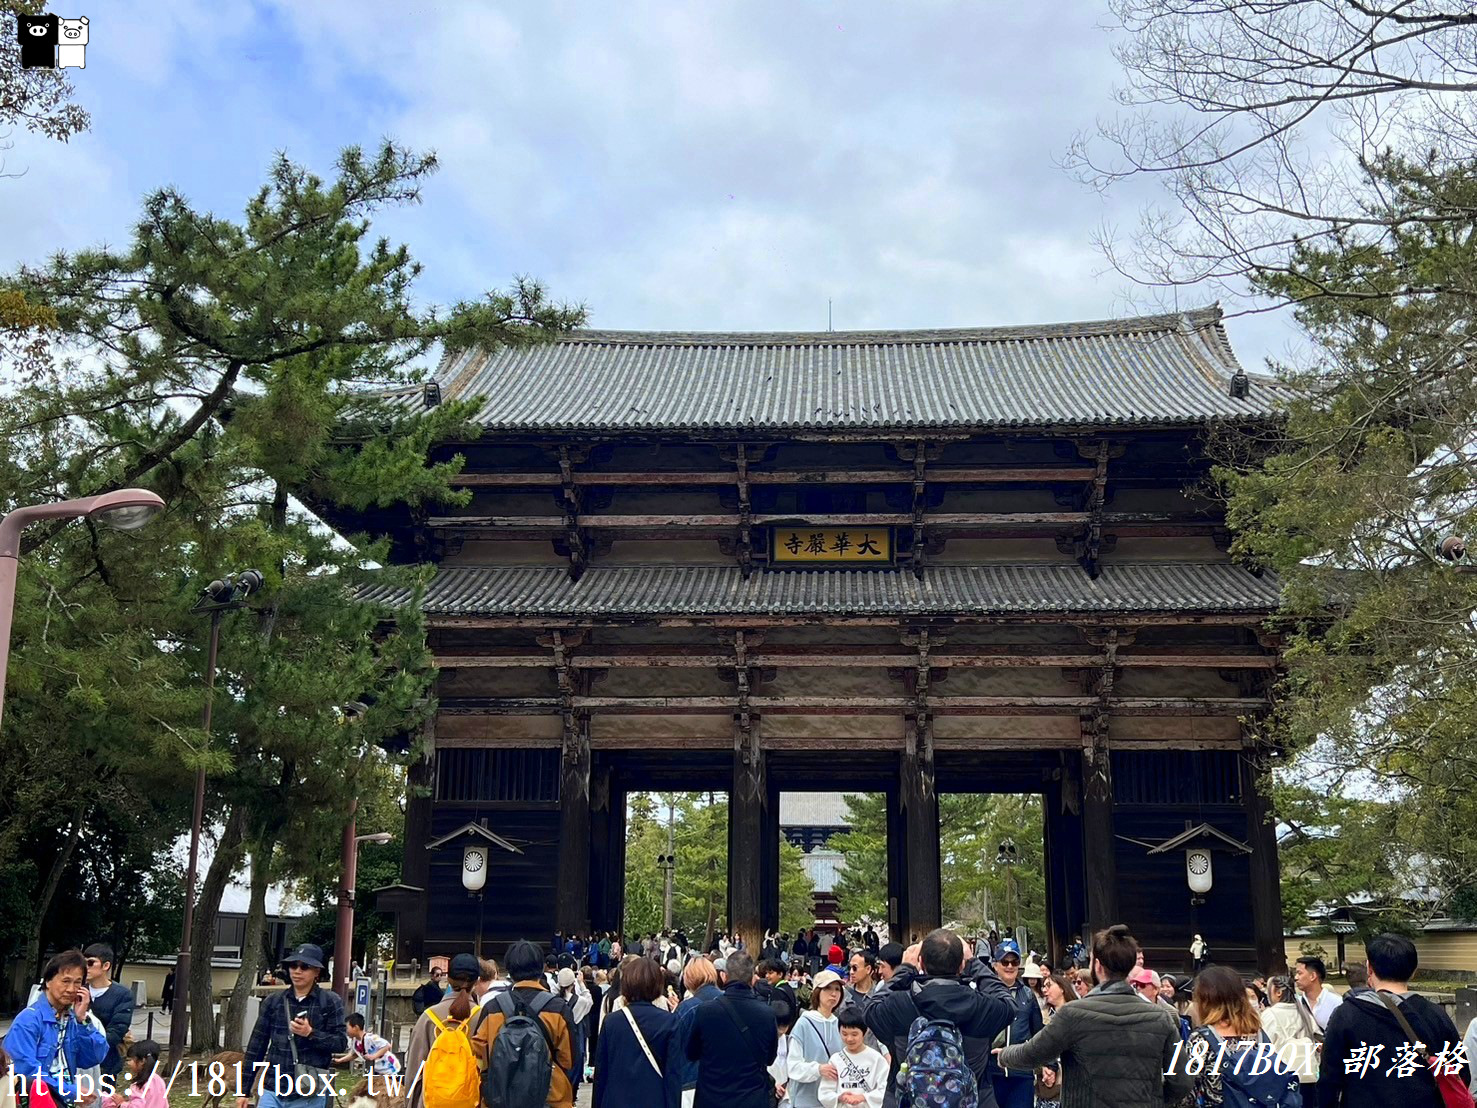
(521, 1066)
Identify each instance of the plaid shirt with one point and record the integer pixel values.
(272, 1038)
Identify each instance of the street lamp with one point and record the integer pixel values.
(344, 938)
(220, 597)
(1005, 857)
(123, 510)
(667, 863)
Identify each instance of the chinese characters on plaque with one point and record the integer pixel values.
(850, 546)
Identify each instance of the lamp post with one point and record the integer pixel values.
(123, 510)
(1006, 858)
(220, 597)
(343, 946)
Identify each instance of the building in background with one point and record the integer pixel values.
(810, 821)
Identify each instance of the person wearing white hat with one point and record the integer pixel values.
(814, 1038)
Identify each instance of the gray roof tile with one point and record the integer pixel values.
(645, 591)
(1167, 369)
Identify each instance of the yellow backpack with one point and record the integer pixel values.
(451, 1078)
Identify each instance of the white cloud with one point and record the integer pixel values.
(730, 165)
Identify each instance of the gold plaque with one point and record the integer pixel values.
(848, 546)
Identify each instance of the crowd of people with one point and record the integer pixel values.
(943, 1023)
(949, 1022)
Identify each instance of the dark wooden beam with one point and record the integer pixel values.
(967, 475)
(984, 657)
(984, 522)
(861, 705)
(641, 740)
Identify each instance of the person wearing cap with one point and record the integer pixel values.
(1016, 1088)
(836, 960)
(814, 1038)
(302, 1016)
(1145, 983)
(456, 1009)
(571, 989)
(432, 992)
(524, 963)
(952, 985)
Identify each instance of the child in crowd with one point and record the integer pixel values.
(371, 1048)
(779, 1069)
(145, 1086)
(861, 1072)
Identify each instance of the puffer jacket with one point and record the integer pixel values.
(1114, 1051)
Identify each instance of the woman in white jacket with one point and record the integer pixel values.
(1291, 1029)
(813, 1039)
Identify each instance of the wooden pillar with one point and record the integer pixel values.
(1266, 886)
(769, 906)
(748, 816)
(415, 868)
(921, 907)
(572, 896)
(1099, 845)
(1065, 913)
(897, 866)
(603, 915)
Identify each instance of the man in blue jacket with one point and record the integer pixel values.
(1016, 1088)
(967, 994)
(59, 1014)
(112, 1003)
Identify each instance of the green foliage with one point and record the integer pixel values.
(697, 824)
(971, 828)
(230, 365)
(797, 891)
(861, 886)
(1349, 502)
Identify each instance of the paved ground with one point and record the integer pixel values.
(153, 1023)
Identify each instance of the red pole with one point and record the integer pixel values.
(343, 946)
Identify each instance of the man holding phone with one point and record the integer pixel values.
(297, 1034)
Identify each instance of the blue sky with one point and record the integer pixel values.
(697, 167)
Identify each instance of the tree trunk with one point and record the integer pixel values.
(28, 968)
(251, 945)
(202, 936)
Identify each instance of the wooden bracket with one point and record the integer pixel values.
(743, 717)
(746, 534)
(1092, 537)
(920, 505)
(1095, 723)
(572, 683)
(572, 504)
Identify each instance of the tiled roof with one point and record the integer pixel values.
(647, 591)
(1152, 370)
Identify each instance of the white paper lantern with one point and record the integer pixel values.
(474, 868)
(1198, 870)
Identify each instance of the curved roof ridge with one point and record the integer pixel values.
(1186, 322)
